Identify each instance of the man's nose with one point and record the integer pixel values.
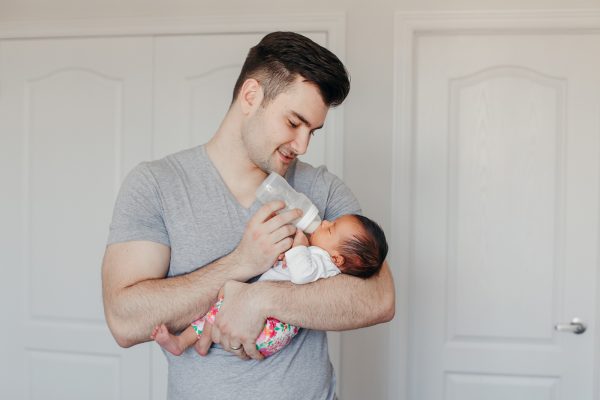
(301, 142)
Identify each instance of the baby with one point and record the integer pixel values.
(352, 244)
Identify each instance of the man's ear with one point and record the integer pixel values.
(251, 95)
(337, 259)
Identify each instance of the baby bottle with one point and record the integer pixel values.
(275, 187)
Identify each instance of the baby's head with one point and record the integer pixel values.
(356, 244)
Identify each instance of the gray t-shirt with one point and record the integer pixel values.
(182, 202)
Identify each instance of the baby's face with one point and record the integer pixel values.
(329, 235)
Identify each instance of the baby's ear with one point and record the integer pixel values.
(338, 259)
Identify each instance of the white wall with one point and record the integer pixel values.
(368, 113)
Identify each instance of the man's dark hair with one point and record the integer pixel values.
(277, 60)
(365, 252)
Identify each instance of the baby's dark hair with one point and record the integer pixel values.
(365, 252)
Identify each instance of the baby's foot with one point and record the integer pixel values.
(154, 332)
(167, 341)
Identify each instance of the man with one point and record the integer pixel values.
(187, 226)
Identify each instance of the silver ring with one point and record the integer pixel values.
(235, 348)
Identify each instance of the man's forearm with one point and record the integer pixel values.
(134, 310)
(339, 303)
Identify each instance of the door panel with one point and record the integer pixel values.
(76, 115)
(505, 229)
(73, 117)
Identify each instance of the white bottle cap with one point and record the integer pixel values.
(313, 226)
(307, 222)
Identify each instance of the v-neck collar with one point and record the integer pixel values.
(203, 155)
(256, 204)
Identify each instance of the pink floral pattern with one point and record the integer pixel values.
(274, 336)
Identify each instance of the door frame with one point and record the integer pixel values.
(332, 24)
(408, 27)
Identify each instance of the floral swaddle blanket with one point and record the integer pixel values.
(274, 336)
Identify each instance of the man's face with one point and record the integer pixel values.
(278, 132)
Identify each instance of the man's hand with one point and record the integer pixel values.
(238, 323)
(266, 236)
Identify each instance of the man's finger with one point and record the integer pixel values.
(282, 232)
(242, 354)
(284, 245)
(284, 218)
(266, 211)
(252, 351)
(215, 335)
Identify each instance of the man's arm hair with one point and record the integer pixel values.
(339, 303)
(137, 296)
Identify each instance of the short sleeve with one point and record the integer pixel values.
(340, 199)
(138, 213)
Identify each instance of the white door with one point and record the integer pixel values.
(76, 115)
(505, 224)
(74, 119)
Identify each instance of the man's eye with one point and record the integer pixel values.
(293, 125)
